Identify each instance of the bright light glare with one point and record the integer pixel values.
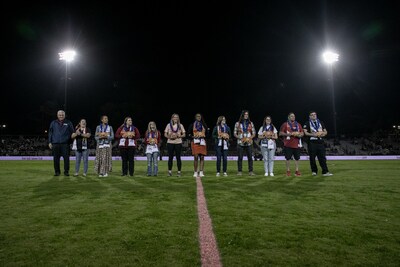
(4, 126)
(330, 57)
(67, 55)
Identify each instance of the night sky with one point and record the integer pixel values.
(153, 59)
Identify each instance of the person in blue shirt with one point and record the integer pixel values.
(60, 132)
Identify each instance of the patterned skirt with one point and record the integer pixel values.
(103, 161)
(198, 149)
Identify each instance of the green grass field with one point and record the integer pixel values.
(349, 219)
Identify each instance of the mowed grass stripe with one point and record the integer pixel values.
(59, 221)
(351, 218)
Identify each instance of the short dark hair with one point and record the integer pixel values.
(312, 111)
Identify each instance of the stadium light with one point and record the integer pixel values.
(68, 56)
(3, 126)
(329, 59)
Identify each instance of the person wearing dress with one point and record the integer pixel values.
(104, 136)
(197, 133)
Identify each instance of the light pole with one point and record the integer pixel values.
(68, 56)
(330, 58)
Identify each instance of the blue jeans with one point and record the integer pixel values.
(152, 159)
(221, 153)
(84, 154)
(268, 158)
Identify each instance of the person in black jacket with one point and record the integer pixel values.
(60, 132)
(316, 131)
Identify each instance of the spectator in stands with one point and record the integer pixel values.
(291, 131)
(197, 132)
(316, 131)
(152, 139)
(128, 136)
(60, 132)
(80, 145)
(174, 132)
(268, 134)
(221, 134)
(104, 136)
(244, 132)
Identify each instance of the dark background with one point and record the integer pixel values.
(150, 59)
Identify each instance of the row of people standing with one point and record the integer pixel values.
(244, 132)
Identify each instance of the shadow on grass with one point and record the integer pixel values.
(249, 187)
(61, 187)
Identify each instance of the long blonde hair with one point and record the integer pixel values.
(149, 128)
(179, 120)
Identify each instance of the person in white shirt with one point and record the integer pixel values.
(267, 135)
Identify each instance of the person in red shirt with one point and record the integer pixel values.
(152, 138)
(127, 135)
(291, 132)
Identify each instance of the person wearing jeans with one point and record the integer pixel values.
(267, 135)
(152, 139)
(80, 145)
(221, 134)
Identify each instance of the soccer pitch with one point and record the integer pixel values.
(351, 218)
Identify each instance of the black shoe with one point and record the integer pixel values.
(66, 174)
(57, 174)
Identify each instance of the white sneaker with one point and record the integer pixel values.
(218, 175)
(105, 175)
(327, 174)
(266, 174)
(100, 175)
(84, 174)
(195, 174)
(201, 174)
(225, 174)
(314, 174)
(271, 174)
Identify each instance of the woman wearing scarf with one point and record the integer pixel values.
(152, 139)
(221, 134)
(197, 132)
(268, 134)
(245, 132)
(174, 132)
(104, 136)
(80, 145)
(127, 135)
